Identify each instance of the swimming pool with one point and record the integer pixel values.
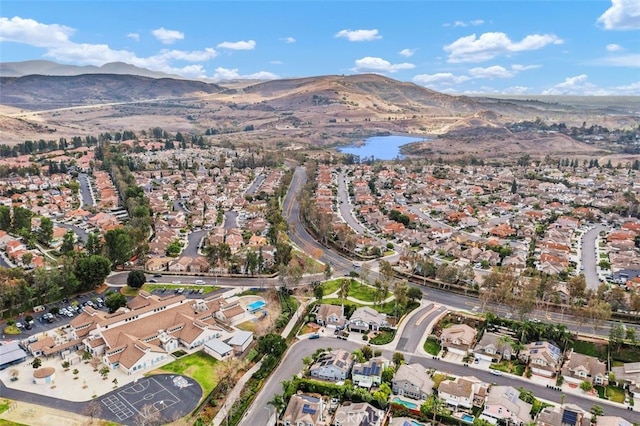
(256, 306)
(467, 418)
(409, 405)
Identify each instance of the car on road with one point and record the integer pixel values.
(157, 275)
(18, 324)
(496, 372)
(175, 282)
(314, 336)
(153, 281)
(199, 282)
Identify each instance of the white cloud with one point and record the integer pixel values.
(407, 52)
(165, 36)
(495, 71)
(237, 45)
(288, 40)
(359, 35)
(614, 47)
(577, 85)
(489, 45)
(276, 62)
(630, 89)
(519, 67)
(622, 15)
(193, 56)
(517, 90)
(456, 24)
(441, 78)
(369, 63)
(134, 36)
(233, 74)
(631, 60)
(33, 33)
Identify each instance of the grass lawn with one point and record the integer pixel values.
(615, 393)
(170, 287)
(383, 337)
(331, 286)
(11, 329)
(248, 326)
(509, 367)
(586, 348)
(4, 422)
(4, 405)
(338, 301)
(129, 291)
(600, 391)
(363, 292)
(432, 346)
(198, 366)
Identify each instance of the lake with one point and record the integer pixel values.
(380, 147)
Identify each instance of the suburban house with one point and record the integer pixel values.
(358, 414)
(492, 347)
(367, 319)
(629, 375)
(305, 410)
(543, 358)
(562, 415)
(458, 338)
(369, 373)
(412, 381)
(612, 421)
(579, 368)
(331, 316)
(504, 404)
(465, 392)
(335, 366)
(217, 349)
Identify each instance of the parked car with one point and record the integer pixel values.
(314, 336)
(496, 372)
(18, 324)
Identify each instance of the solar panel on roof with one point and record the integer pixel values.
(307, 409)
(569, 417)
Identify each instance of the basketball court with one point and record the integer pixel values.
(168, 394)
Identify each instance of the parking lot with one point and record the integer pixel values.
(47, 319)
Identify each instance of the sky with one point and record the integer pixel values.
(553, 47)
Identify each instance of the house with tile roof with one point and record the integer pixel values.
(335, 365)
(412, 381)
(543, 358)
(579, 368)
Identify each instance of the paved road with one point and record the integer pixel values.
(345, 207)
(413, 332)
(193, 243)
(85, 190)
(588, 259)
(81, 233)
(230, 220)
(253, 188)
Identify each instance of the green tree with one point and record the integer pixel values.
(115, 300)
(414, 293)
(119, 246)
(596, 411)
(36, 363)
(367, 352)
(277, 402)
(586, 386)
(398, 358)
(328, 272)
(136, 278)
(387, 374)
(5, 218)
(93, 244)
(318, 292)
(343, 291)
(273, 344)
(68, 242)
(92, 270)
(616, 335)
(27, 258)
(21, 219)
(45, 232)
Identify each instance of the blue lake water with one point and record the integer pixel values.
(380, 147)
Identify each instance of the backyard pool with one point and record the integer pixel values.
(409, 405)
(256, 306)
(467, 418)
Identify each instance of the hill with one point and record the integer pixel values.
(41, 67)
(38, 92)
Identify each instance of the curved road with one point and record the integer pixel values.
(588, 257)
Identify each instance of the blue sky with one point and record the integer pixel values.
(582, 47)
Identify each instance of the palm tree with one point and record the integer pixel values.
(345, 284)
(277, 402)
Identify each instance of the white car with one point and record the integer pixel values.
(496, 372)
(19, 324)
(199, 282)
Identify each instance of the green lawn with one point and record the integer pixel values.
(170, 287)
(338, 301)
(4, 405)
(331, 286)
(615, 394)
(432, 346)
(509, 367)
(586, 348)
(198, 366)
(363, 292)
(383, 337)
